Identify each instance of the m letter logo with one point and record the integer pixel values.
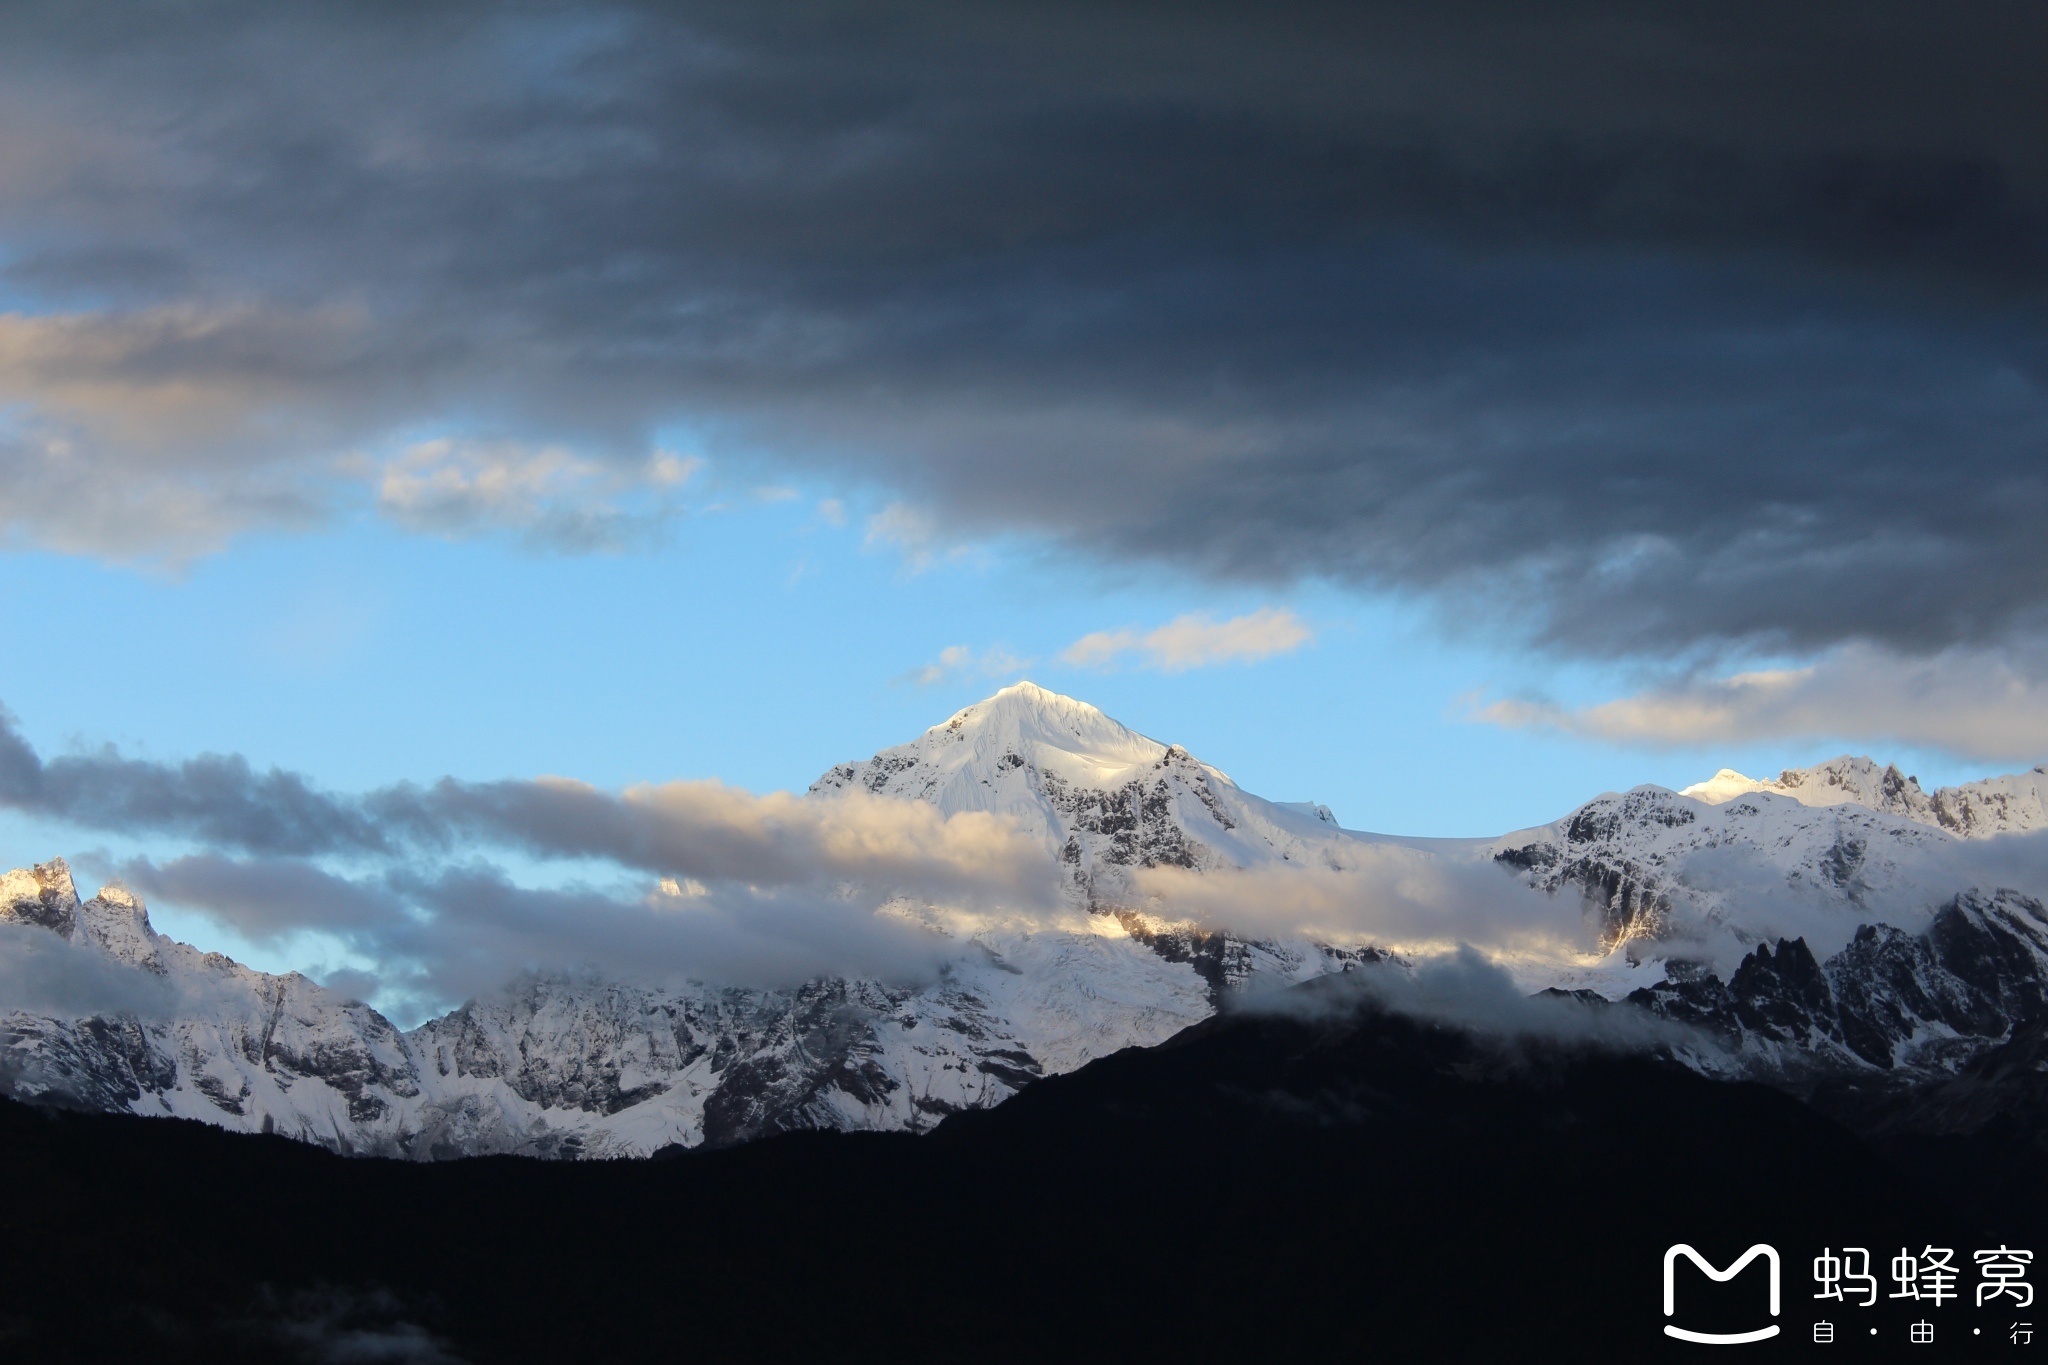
(1770, 1254)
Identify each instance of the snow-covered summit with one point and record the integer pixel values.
(1104, 798)
(1995, 805)
(113, 922)
(955, 764)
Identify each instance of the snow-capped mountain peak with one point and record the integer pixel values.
(1104, 798)
(1996, 805)
(112, 922)
(42, 895)
(956, 764)
(1836, 782)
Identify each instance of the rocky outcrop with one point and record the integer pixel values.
(1632, 856)
(1917, 1008)
(41, 897)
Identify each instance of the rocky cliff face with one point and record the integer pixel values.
(1936, 1031)
(1631, 855)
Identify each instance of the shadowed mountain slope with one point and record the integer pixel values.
(1258, 1187)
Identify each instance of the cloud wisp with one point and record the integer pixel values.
(551, 496)
(1195, 640)
(455, 932)
(1978, 704)
(1385, 895)
(676, 829)
(1635, 329)
(962, 662)
(915, 535)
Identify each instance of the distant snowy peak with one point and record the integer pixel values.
(1995, 805)
(1629, 851)
(1104, 798)
(113, 922)
(1833, 783)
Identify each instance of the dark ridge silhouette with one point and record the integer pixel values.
(1259, 1187)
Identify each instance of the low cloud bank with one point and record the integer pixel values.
(1905, 893)
(1422, 905)
(1462, 988)
(1387, 895)
(678, 829)
(43, 974)
(415, 885)
(447, 934)
(693, 879)
(431, 889)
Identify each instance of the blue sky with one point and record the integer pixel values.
(761, 639)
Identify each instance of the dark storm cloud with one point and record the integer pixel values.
(216, 799)
(1652, 327)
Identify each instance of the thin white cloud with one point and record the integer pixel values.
(911, 532)
(1195, 641)
(1984, 705)
(459, 488)
(959, 662)
(902, 526)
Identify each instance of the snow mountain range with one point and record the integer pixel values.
(1932, 939)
